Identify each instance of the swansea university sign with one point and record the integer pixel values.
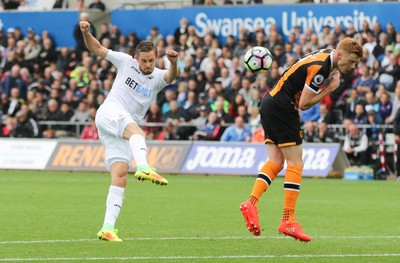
(226, 21)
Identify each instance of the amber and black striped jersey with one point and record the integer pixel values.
(310, 71)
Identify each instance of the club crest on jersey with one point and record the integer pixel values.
(318, 79)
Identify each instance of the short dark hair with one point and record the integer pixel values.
(146, 46)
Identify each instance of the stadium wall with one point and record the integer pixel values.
(172, 157)
(224, 20)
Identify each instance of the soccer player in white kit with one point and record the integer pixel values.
(135, 87)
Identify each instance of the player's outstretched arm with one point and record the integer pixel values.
(91, 42)
(172, 72)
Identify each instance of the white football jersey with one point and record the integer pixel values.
(132, 91)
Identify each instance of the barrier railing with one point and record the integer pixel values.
(78, 126)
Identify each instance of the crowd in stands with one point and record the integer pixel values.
(213, 98)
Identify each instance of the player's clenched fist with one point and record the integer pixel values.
(85, 26)
(172, 55)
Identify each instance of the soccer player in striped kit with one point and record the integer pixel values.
(297, 89)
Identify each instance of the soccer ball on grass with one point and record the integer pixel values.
(258, 59)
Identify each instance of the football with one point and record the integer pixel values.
(258, 59)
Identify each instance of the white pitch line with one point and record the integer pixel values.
(188, 238)
(201, 257)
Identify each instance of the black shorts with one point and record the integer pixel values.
(281, 126)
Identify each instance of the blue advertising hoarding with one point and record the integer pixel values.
(223, 20)
(60, 24)
(247, 159)
(226, 21)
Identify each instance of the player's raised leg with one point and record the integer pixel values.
(138, 146)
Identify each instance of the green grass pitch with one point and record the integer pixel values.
(54, 217)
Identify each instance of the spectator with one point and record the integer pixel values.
(8, 126)
(97, 4)
(11, 4)
(360, 116)
(309, 132)
(396, 130)
(325, 115)
(80, 5)
(365, 82)
(90, 131)
(351, 31)
(312, 114)
(209, 2)
(60, 4)
(14, 79)
(385, 106)
(234, 105)
(31, 52)
(254, 118)
(169, 95)
(26, 126)
(200, 121)
(237, 132)
(40, 86)
(211, 130)
(390, 74)
(181, 30)
(242, 112)
(372, 104)
(368, 59)
(169, 132)
(323, 37)
(153, 116)
(14, 103)
(114, 35)
(273, 77)
(395, 104)
(351, 103)
(47, 54)
(179, 115)
(39, 107)
(80, 43)
(133, 40)
(356, 146)
(81, 114)
(391, 32)
(154, 35)
(222, 112)
(373, 130)
(384, 58)
(104, 31)
(190, 105)
(258, 135)
(370, 43)
(63, 60)
(3, 103)
(66, 114)
(324, 135)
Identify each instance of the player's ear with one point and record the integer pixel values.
(339, 54)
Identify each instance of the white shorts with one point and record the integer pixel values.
(111, 122)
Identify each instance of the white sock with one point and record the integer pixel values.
(139, 149)
(114, 204)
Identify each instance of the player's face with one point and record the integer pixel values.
(147, 61)
(347, 62)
